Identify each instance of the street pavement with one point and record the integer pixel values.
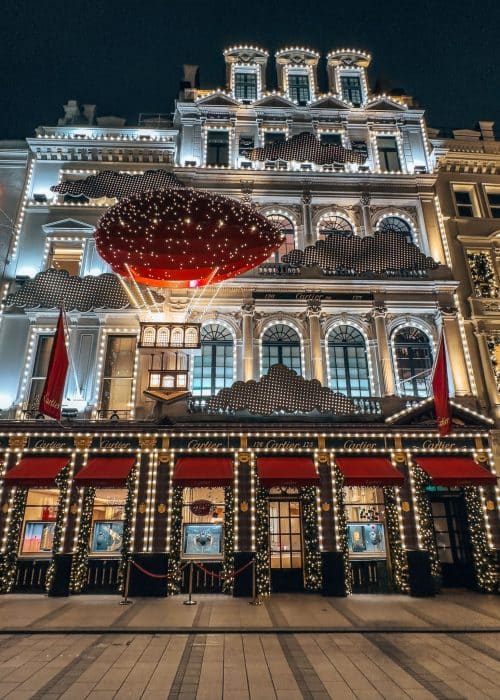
(291, 646)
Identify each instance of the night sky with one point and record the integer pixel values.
(126, 57)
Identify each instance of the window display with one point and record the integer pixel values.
(365, 513)
(366, 539)
(202, 541)
(107, 522)
(39, 521)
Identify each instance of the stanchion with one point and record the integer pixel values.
(255, 596)
(189, 601)
(125, 600)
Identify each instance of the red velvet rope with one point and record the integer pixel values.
(213, 574)
(151, 575)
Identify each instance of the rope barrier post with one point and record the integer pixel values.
(190, 601)
(125, 600)
(255, 596)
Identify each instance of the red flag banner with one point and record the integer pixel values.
(52, 394)
(441, 392)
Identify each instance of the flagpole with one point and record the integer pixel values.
(68, 348)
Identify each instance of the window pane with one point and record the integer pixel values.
(217, 147)
(245, 85)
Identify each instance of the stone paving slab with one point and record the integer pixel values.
(452, 612)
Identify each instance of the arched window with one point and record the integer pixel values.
(163, 337)
(333, 224)
(348, 362)
(177, 337)
(213, 369)
(413, 353)
(148, 335)
(395, 224)
(287, 230)
(281, 346)
(191, 337)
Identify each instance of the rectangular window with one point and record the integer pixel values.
(493, 198)
(331, 139)
(118, 373)
(298, 88)
(217, 147)
(271, 137)
(351, 89)
(108, 516)
(365, 515)
(245, 146)
(464, 202)
(65, 257)
(388, 155)
(245, 85)
(39, 373)
(285, 535)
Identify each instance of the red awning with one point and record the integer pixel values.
(36, 471)
(203, 471)
(107, 472)
(455, 471)
(292, 471)
(369, 471)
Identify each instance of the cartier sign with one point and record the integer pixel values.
(259, 443)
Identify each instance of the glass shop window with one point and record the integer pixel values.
(39, 522)
(106, 532)
(118, 373)
(285, 531)
(39, 373)
(365, 515)
(388, 154)
(351, 89)
(217, 147)
(298, 88)
(245, 85)
(65, 257)
(203, 522)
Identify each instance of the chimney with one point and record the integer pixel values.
(487, 132)
(89, 112)
(190, 81)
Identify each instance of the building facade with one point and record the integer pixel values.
(283, 416)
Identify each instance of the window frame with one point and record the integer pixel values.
(470, 188)
(298, 89)
(228, 346)
(240, 72)
(401, 382)
(266, 354)
(384, 151)
(492, 208)
(218, 147)
(347, 366)
(105, 377)
(346, 76)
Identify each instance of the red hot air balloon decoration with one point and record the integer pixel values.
(184, 238)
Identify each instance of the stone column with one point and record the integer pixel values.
(456, 351)
(365, 200)
(306, 200)
(387, 384)
(317, 368)
(490, 381)
(247, 313)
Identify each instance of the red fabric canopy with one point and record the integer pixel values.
(203, 471)
(369, 471)
(36, 471)
(455, 471)
(281, 471)
(107, 472)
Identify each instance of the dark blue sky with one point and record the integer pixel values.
(127, 56)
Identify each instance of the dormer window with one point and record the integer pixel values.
(245, 85)
(298, 88)
(350, 86)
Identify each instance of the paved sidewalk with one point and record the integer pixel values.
(450, 612)
(90, 647)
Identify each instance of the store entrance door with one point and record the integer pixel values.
(285, 544)
(452, 538)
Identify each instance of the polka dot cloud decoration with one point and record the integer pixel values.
(183, 238)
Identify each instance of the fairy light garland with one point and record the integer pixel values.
(310, 536)
(8, 559)
(175, 539)
(263, 573)
(229, 523)
(341, 523)
(79, 568)
(128, 526)
(396, 544)
(62, 480)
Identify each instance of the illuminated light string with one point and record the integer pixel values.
(158, 235)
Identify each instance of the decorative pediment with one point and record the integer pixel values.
(217, 99)
(65, 225)
(329, 103)
(385, 103)
(275, 101)
(422, 414)
(281, 390)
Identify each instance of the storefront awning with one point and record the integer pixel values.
(105, 472)
(369, 471)
(287, 471)
(455, 471)
(36, 471)
(203, 471)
